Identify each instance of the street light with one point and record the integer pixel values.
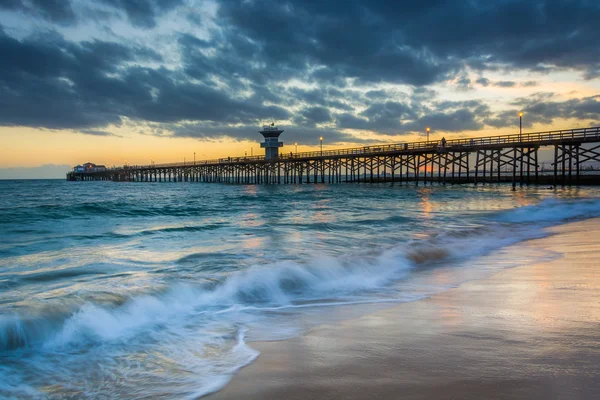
(321, 139)
(296, 144)
(194, 158)
(428, 133)
(183, 160)
(520, 126)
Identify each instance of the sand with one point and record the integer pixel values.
(530, 332)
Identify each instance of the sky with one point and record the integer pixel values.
(135, 81)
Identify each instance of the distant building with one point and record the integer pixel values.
(89, 167)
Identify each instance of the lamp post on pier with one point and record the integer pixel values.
(296, 144)
(194, 158)
(520, 126)
(321, 139)
(428, 130)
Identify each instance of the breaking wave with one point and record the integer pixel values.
(281, 284)
(553, 210)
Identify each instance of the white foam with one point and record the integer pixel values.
(276, 285)
(553, 210)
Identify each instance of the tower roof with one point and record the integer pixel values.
(270, 131)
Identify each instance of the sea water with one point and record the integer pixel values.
(157, 290)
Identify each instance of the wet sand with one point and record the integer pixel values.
(530, 332)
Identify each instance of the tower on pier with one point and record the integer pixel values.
(271, 143)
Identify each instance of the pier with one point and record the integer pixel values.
(506, 158)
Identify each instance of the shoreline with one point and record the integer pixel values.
(531, 331)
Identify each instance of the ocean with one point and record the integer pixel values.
(158, 290)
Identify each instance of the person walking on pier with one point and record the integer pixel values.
(443, 142)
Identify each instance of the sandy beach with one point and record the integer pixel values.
(529, 332)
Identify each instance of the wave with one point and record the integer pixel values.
(282, 284)
(146, 232)
(59, 274)
(552, 210)
(286, 283)
(115, 209)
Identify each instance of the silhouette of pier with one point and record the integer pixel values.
(505, 158)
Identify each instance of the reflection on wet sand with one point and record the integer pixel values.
(530, 332)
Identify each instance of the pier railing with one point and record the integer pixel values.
(538, 138)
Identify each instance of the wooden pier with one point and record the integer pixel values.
(512, 158)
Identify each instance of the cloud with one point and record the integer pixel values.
(316, 115)
(95, 132)
(58, 84)
(505, 84)
(529, 84)
(58, 11)
(294, 34)
(464, 83)
(512, 84)
(302, 134)
(483, 81)
(143, 13)
(395, 118)
(542, 108)
(358, 64)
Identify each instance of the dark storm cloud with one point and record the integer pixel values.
(532, 35)
(316, 115)
(326, 97)
(382, 117)
(303, 135)
(351, 121)
(377, 94)
(49, 82)
(396, 41)
(388, 111)
(542, 108)
(452, 121)
(395, 118)
(143, 13)
(450, 116)
(344, 38)
(546, 111)
(59, 11)
(238, 74)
